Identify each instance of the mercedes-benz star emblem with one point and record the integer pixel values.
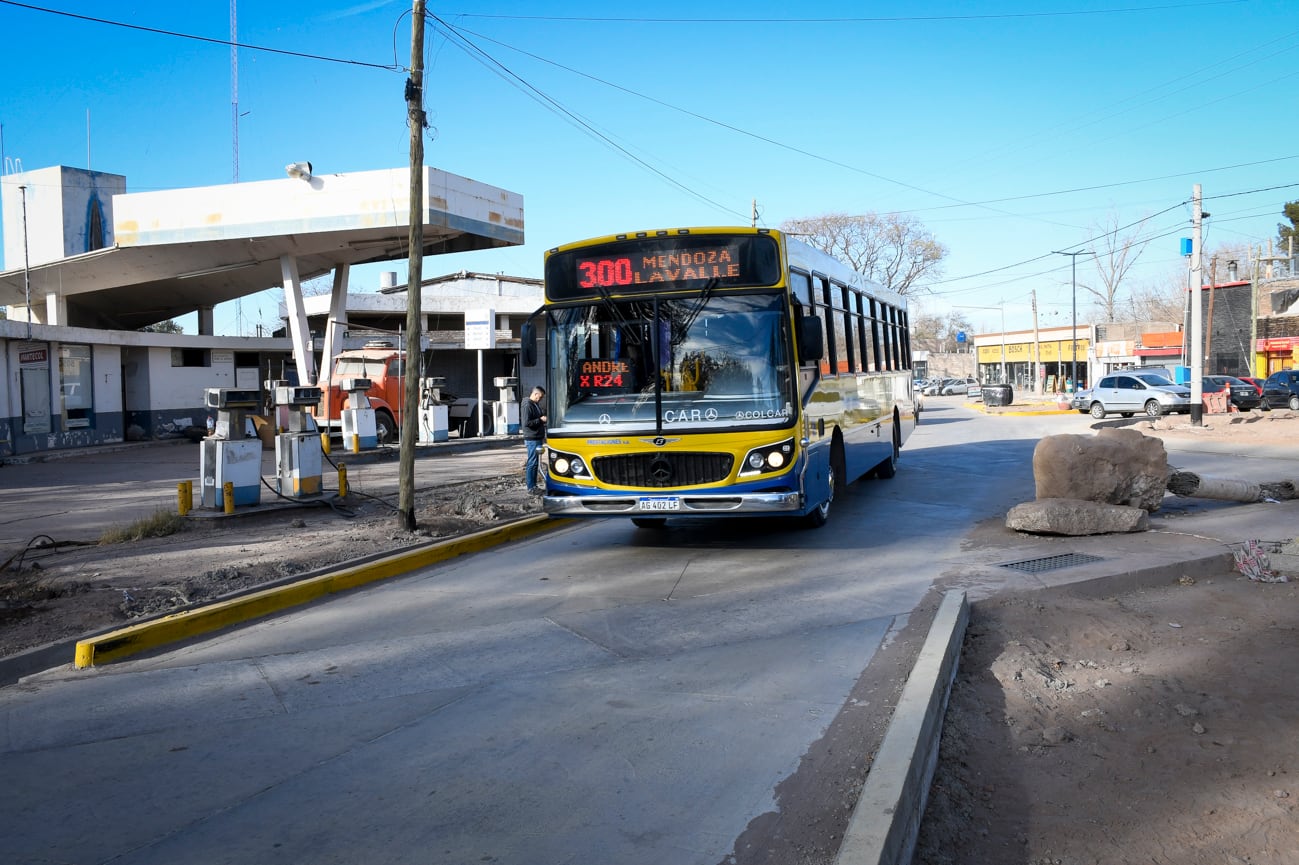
(661, 470)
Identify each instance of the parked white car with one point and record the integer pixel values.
(1129, 393)
(959, 386)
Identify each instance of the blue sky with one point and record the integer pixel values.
(1009, 129)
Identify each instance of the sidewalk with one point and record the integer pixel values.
(63, 493)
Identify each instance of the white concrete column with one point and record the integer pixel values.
(297, 314)
(56, 310)
(337, 324)
(206, 321)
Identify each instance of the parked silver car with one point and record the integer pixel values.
(1129, 393)
(957, 386)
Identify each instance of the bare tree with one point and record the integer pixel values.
(317, 286)
(934, 332)
(1115, 256)
(1219, 268)
(1163, 299)
(892, 249)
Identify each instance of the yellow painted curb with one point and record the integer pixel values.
(133, 639)
(983, 409)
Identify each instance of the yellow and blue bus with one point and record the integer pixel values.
(716, 371)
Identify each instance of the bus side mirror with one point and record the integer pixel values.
(811, 338)
(528, 343)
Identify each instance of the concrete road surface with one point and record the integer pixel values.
(599, 694)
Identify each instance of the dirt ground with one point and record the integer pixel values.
(52, 594)
(1151, 726)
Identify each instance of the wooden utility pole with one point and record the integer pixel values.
(414, 329)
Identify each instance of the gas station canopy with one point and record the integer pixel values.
(177, 251)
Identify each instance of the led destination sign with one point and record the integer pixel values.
(662, 264)
(598, 375)
(690, 266)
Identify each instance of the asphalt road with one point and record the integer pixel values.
(598, 694)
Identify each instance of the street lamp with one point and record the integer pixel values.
(1073, 347)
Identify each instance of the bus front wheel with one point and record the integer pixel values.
(818, 516)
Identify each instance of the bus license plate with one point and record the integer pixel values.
(660, 503)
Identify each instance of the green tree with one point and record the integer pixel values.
(1285, 232)
(893, 249)
(168, 326)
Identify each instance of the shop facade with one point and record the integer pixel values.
(1043, 363)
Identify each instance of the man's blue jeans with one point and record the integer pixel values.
(534, 456)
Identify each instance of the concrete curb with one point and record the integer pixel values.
(131, 640)
(886, 820)
(1012, 411)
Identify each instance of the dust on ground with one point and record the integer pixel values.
(1152, 726)
(55, 593)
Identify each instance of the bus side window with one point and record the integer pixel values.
(906, 340)
(830, 361)
(861, 314)
(811, 335)
(877, 354)
(843, 329)
(800, 286)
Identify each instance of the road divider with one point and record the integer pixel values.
(134, 639)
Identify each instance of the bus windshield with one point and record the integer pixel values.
(671, 364)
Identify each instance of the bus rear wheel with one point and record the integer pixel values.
(889, 467)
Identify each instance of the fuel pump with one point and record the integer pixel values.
(297, 444)
(506, 411)
(433, 412)
(359, 429)
(226, 456)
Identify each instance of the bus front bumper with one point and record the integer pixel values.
(673, 504)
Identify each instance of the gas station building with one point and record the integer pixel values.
(88, 264)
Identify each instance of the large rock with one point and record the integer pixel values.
(1075, 517)
(1115, 466)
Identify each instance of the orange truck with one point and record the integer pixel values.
(385, 367)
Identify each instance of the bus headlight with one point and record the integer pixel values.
(768, 458)
(567, 465)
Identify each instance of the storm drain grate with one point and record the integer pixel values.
(1051, 563)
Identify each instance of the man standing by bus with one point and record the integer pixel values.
(534, 436)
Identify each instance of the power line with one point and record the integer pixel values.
(461, 41)
(207, 39)
(1148, 238)
(851, 19)
(956, 202)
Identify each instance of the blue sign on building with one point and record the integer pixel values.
(960, 336)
